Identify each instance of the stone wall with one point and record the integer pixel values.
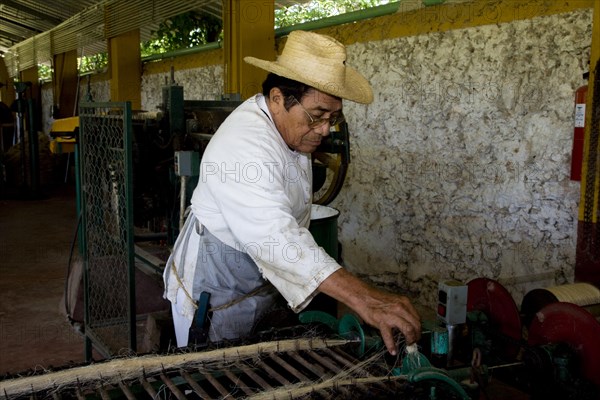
(99, 90)
(198, 84)
(460, 167)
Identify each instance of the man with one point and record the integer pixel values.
(247, 231)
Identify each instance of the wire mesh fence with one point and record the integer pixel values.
(107, 226)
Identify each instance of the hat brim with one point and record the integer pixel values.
(355, 86)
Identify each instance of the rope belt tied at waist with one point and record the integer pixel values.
(231, 303)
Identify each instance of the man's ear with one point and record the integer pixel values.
(276, 96)
(276, 102)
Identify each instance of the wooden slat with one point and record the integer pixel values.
(125, 389)
(79, 394)
(316, 368)
(274, 374)
(289, 368)
(148, 388)
(255, 377)
(237, 381)
(104, 394)
(195, 386)
(346, 362)
(172, 387)
(325, 362)
(217, 385)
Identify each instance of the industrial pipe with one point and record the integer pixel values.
(433, 374)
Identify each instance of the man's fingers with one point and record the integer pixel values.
(411, 334)
(407, 320)
(389, 312)
(388, 340)
(410, 312)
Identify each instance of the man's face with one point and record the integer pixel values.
(306, 122)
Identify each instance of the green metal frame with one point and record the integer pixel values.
(105, 193)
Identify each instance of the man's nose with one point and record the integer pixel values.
(323, 130)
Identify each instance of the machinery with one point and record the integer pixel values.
(288, 369)
(550, 349)
(492, 354)
(563, 337)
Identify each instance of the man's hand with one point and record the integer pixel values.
(385, 311)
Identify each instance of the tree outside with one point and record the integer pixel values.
(319, 9)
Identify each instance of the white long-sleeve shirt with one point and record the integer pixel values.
(254, 194)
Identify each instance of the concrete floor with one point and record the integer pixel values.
(35, 239)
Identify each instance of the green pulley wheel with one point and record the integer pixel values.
(350, 328)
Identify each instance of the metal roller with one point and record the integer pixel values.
(492, 299)
(582, 294)
(569, 323)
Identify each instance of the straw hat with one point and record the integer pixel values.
(318, 61)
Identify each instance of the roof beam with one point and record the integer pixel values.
(5, 45)
(11, 37)
(31, 11)
(29, 28)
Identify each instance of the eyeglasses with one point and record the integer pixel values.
(318, 122)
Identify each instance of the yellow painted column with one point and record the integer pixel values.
(64, 84)
(587, 263)
(125, 68)
(594, 59)
(249, 30)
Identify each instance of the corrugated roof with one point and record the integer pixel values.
(24, 19)
(32, 31)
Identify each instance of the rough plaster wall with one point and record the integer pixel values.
(47, 101)
(99, 91)
(460, 167)
(199, 84)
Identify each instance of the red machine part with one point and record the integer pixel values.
(571, 324)
(491, 298)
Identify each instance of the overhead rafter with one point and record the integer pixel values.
(32, 11)
(85, 25)
(20, 25)
(11, 37)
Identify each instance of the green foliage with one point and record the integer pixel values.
(319, 9)
(44, 72)
(94, 63)
(189, 29)
(85, 64)
(193, 29)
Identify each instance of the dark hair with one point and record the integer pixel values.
(289, 87)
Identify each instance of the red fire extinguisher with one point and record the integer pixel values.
(579, 131)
